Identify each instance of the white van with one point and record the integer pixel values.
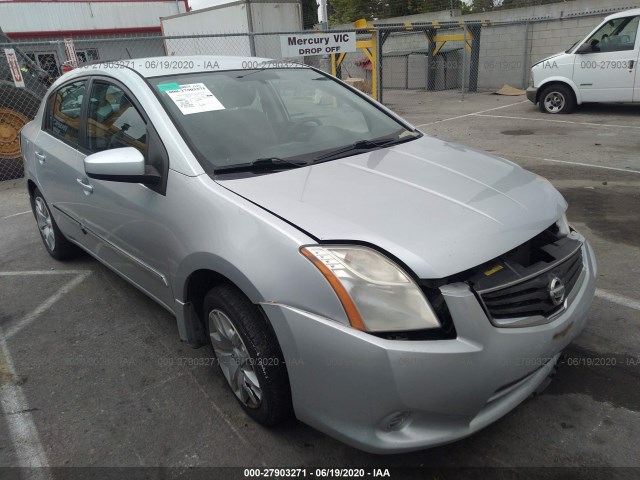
(600, 68)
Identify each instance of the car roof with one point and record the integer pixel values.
(161, 66)
(626, 13)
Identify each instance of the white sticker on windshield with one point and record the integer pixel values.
(194, 98)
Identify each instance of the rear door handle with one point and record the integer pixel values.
(87, 187)
(631, 64)
(40, 156)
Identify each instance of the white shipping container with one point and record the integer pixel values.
(233, 17)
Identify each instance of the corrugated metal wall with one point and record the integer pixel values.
(56, 16)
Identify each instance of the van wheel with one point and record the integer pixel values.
(248, 354)
(54, 241)
(557, 99)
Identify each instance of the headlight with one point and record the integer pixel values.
(563, 226)
(377, 295)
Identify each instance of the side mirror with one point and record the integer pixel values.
(586, 48)
(121, 165)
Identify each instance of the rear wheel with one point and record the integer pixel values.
(248, 355)
(557, 99)
(54, 241)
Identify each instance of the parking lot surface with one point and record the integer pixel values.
(92, 372)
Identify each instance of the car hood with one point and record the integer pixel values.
(556, 55)
(439, 207)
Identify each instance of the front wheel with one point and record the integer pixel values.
(557, 99)
(248, 355)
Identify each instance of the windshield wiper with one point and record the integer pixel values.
(260, 164)
(364, 145)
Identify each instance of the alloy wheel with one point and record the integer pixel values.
(45, 224)
(234, 359)
(554, 102)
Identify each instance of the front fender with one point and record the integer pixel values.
(209, 261)
(566, 81)
(190, 327)
(240, 241)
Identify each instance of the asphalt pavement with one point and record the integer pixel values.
(97, 376)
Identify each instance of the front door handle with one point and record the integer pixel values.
(40, 156)
(87, 187)
(631, 64)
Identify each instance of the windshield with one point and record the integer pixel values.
(568, 50)
(615, 35)
(292, 115)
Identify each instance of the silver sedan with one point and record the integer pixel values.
(393, 290)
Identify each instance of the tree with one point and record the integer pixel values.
(482, 6)
(394, 8)
(424, 6)
(348, 11)
(309, 14)
(504, 4)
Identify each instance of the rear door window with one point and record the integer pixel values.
(65, 107)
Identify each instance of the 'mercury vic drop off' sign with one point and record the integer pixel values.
(295, 45)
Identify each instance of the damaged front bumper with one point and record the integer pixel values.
(390, 396)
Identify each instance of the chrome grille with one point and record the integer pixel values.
(531, 297)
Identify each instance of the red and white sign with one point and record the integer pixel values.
(70, 48)
(14, 67)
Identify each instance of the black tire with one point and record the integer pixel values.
(264, 355)
(557, 99)
(17, 107)
(54, 241)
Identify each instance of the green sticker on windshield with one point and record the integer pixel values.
(163, 87)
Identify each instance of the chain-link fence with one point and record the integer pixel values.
(414, 59)
(483, 52)
(17, 105)
(355, 68)
(467, 54)
(430, 56)
(42, 61)
(346, 11)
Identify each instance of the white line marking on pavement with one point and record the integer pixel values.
(15, 215)
(619, 299)
(171, 351)
(581, 164)
(592, 166)
(218, 410)
(44, 272)
(470, 114)
(24, 435)
(44, 306)
(215, 406)
(590, 124)
(26, 441)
